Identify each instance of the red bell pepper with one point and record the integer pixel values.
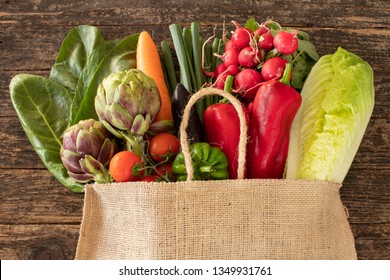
(222, 127)
(272, 112)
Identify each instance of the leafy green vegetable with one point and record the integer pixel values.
(251, 24)
(169, 66)
(121, 57)
(87, 75)
(75, 51)
(47, 106)
(43, 108)
(303, 61)
(337, 103)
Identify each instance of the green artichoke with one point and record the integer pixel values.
(86, 151)
(128, 100)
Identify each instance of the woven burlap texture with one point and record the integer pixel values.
(232, 219)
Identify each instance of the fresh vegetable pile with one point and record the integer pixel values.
(110, 110)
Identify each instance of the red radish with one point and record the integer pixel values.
(266, 41)
(221, 78)
(219, 69)
(241, 37)
(261, 30)
(286, 42)
(273, 68)
(228, 45)
(220, 81)
(249, 57)
(230, 57)
(247, 83)
(232, 70)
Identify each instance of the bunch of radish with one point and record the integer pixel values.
(253, 57)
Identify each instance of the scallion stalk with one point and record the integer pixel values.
(189, 49)
(178, 42)
(197, 54)
(169, 66)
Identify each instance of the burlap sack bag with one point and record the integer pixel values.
(228, 219)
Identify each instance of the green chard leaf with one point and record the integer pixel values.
(110, 57)
(43, 108)
(76, 48)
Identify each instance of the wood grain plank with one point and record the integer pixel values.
(372, 241)
(39, 241)
(323, 13)
(34, 196)
(44, 241)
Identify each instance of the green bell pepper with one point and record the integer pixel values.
(209, 163)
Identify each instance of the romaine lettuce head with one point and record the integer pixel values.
(337, 103)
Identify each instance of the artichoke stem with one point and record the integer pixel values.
(102, 178)
(136, 144)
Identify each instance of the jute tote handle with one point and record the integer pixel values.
(243, 129)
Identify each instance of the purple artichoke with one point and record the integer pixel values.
(86, 151)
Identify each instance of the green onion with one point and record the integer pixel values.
(207, 58)
(178, 42)
(169, 66)
(197, 62)
(214, 50)
(197, 54)
(217, 48)
(187, 39)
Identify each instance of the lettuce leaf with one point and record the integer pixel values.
(337, 103)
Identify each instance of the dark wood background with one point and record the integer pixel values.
(40, 219)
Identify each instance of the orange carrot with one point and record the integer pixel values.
(148, 61)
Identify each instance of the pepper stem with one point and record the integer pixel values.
(205, 169)
(286, 74)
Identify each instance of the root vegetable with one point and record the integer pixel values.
(249, 57)
(247, 83)
(286, 42)
(273, 68)
(241, 37)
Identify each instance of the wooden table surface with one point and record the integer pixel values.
(40, 219)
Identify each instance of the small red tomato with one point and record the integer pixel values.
(124, 166)
(162, 172)
(163, 146)
(149, 178)
(164, 169)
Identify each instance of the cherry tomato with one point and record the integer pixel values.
(164, 169)
(162, 172)
(149, 178)
(124, 166)
(163, 146)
